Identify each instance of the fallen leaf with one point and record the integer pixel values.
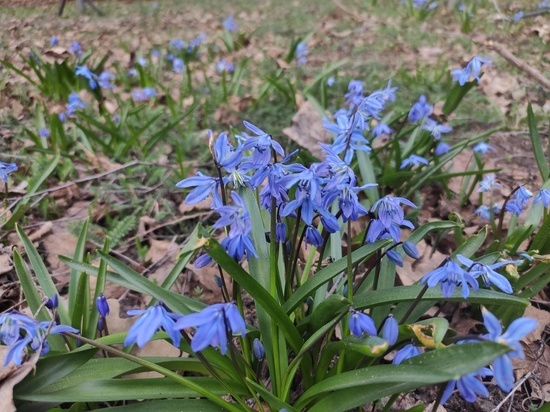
(307, 130)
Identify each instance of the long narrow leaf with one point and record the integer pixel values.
(538, 150)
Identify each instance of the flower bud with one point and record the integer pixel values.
(102, 306)
(258, 349)
(410, 249)
(52, 302)
(390, 330)
(394, 257)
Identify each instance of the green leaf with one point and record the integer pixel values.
(42, 275)
(472, 245)
(399, 294)
(51, 369)
(36, 182)
(330, 272)
(455, 96)
(187, 405)
(107, 368)
(359, 387)
(260, 295)
(538, 150)
(105, 390)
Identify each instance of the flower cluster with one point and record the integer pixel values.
(214, 325)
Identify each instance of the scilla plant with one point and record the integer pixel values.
(321, 336)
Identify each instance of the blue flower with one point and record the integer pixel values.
(204, 186)
(484, 212)
(104, 80)
(348, 201)
(390, 330)
(472, 69)
(406, 352)
(313, 237)
(360, 323)
(145, 94)
(151, 320)
(487, 272)
(420, 110)
(503, 369)
(223, 66)
(54, 41)
(381, 129)
(142, 61)
(435, 128)
(6, 169)
(261, 145)
(413, 160)
(178, 65)
(229, 24)
(75, 49)
(176, 44)
(518, 16)
(225, 154)
(483, 148)
(468, 386)
(331, 81)
(488, 183)
(450, 275)
(543, 196)
(348, 135)
(74, 103)
(88, 74)
(442, 148)
(390, 211)
(301, 53)
(212, 326)
(16, 352)
(14, 324)
(355, 93)
(44, 133)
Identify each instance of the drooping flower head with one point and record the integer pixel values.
(151, 320)
(518, 329)
(449, 276)
(214, 325)
(6, 169)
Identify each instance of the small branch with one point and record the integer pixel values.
(512, 392)
(520, 64)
